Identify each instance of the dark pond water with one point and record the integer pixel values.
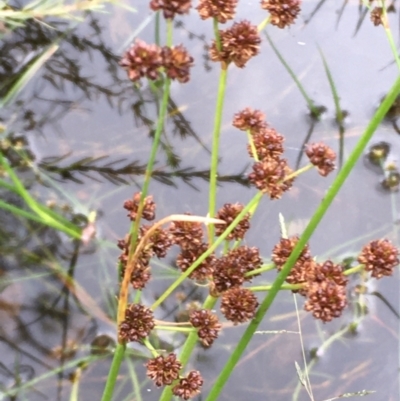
(87, 129)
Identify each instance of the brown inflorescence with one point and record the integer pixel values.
(379, 257)
(171, 7)
(231, 268)
(222, 10)
(207, 325)
(249, 120)
(138, 323)
(132, 205)
(239, 44)
(326, 300)
(283, 12)
(142, 60)
(177, 63)
(189, 255)
(228, 213)
(186, 234)
(268, 144)
(304, 265)
(188, 386)
(163, 370)
(322, 157)
(327, 271)
(141, 272)
(376, 16)
(159, 242)
(238, 305)
(270, 177)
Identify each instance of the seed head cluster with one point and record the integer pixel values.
(249, 120)
(282, 12)
(322, 157)
(163, 370)
(137, 325)
(146, 60)
(207, 325)
(189, 386)
(238, 305)
(171, 8)
(376, 16)
(222, 10)
(239, 44)
(132, 206)
(379, 257)
(228, 213)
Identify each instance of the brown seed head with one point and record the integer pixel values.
(142, 60)
(186, 234)
(326, 300)
(163, 370)
(238, 44)
(376, 16)
(322, 157)
(222, 10)
(138, 323)
(132, 205)
(249, 119)
(177, 63)
(159, 242)
(283, 12)
(171, 7)
(379, 257)
(268, 144)
(189, 386)
(327, 271)
(269, 177)
(238, 305)
(189, 255)
(207, 325)
(284, 248)
(228, 213)
(231, 268)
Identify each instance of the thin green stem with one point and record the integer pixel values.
(113, 373)
(216, 34)
(264, 268)
(389, 35)
(309, 230)
(215, 149)
(354, 269)
(262, 288)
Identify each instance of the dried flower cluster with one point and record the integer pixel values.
(137, 325)
(132, 205)
(282, 12)
(188, 386)
(207, 325)
(239, 305)
(228, 213)
(376, 16)
(144, 60)
(322, 157)
(238, 44)
(379, 257)
(222, 10)
(171, 7)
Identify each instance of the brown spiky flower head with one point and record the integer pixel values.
(189, 386)
(379, 257)
(138, 323)
(163, 370)
(228, 213)
(189, 255)
(222, 10)
(326, 300)
(283, 12)
(159, 242)
(249, 120)
(132, 205)
(322, 157)
(142, 60)
(207, 325)
(177, 63)
(231, 268)
(376, 16)
(186, 234)
(239, 44)
(268, 144)
(239, 305)
(171, 7)
(327, 270)
(270, 177)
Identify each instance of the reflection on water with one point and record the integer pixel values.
(81, 129)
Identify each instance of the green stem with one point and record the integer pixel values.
(262, 269)
(312, 225)
(188, 348)
(389, 35)
(285, 286)
(354, 269)
(215, 149)
(113, 373)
